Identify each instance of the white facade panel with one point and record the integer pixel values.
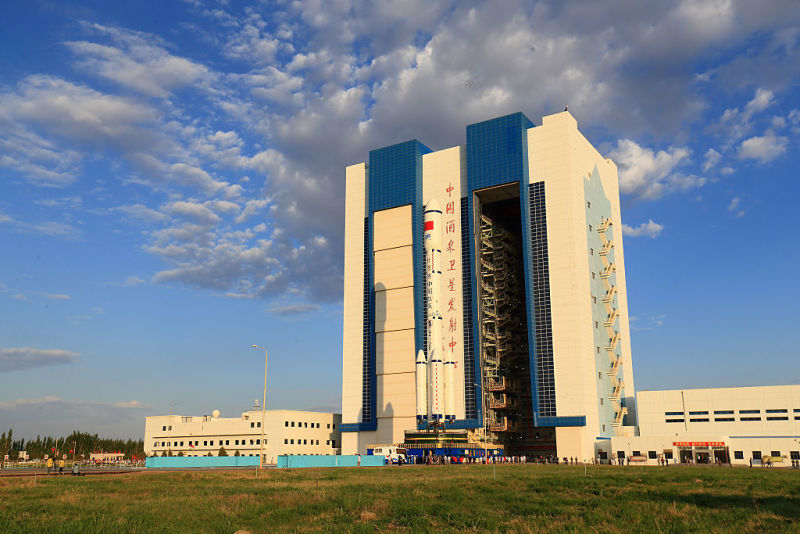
(394, 309)
(394, 268)
(392, 228)
(397, 352)
(396, 396)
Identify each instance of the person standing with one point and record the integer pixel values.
(61, 466)
(49, 465)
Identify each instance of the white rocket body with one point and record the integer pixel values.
(449, 388)
(435, 369)
(433, 279)
(422, 387)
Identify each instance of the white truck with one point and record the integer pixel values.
(394, 454)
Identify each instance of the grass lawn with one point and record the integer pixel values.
(522, 498)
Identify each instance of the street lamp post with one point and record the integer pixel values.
(263, 409)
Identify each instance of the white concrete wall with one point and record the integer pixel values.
(653, 405)
(175, 433)
(747, 447)
(353, 305)
(552, 153)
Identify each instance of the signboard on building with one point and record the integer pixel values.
(699, 443)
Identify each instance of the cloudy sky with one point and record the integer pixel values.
(172, 182)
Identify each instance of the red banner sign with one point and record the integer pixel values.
(699, 443)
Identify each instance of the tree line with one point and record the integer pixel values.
(77, 445)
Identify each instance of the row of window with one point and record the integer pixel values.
(287, 441)
(304, 424)
(731, 419)
(209, 443)
(730, 412)
(738, 455)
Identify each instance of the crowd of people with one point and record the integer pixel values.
(439, 459)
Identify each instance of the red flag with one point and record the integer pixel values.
(53, 449)
(71, 451)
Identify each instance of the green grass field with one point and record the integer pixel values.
(527, 498)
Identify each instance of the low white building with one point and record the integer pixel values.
(737, 425)
(285, 432)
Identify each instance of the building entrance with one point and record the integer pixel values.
(702, 457)
(721, 456)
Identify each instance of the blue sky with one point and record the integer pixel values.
(172, 183)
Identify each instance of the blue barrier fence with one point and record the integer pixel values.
(297, 461)
(184, 462)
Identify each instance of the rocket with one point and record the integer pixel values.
(435, 371)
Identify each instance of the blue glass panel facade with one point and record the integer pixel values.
(470, 376)
(368, 361)
(497, 154)
(544, 371)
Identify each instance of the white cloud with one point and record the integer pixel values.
(56, 296)
(712, 157)
(735, 124)
(650, 229)
(136, 62)
(293, 309)
(648, 175)
(23, 358)
(142, 213)
(764, 148)
(193, 211)
(733, 207)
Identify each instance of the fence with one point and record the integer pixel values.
(185, 462)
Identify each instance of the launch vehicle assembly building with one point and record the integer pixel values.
(485, 291)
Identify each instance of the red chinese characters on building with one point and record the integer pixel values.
(451, 258)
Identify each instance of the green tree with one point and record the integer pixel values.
(180, 453)
(222, 452)
(236, 453)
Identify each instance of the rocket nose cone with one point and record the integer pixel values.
(432, 205)
(420, 356)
